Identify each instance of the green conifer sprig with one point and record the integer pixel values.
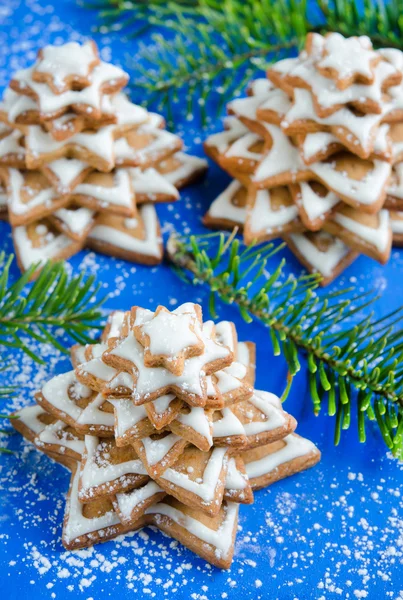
(354, 362)
(216, 46)
(54, 304)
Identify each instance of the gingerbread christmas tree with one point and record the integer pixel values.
(160, 424)
(81, 164)
(315, 153)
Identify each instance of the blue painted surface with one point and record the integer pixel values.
(335, 531)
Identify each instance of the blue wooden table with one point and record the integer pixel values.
(335, 531)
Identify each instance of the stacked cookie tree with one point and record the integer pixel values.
(160, 425)
(316, 154)
(84, 166)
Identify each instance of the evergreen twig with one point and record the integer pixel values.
(55, 304)
(210, 40)
(346, 363)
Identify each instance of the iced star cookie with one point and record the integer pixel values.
(347, 61)
(168, 338)
(66, 67)
(153, 382)
(105, 79)
(87, 524)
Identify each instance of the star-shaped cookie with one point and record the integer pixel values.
(169, 338)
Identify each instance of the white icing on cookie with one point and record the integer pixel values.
(206, 489)
(99, 143)
(235, 480)
(315, 206)
(69, 60)
(170, 334)
(150, 379)
(234, 129)
(162, 141)
(220, 539)
(54, 434)
(28, 416)
(76, 524)
(188, 167)
(56, 392)
(295, 446)
(156, 450)
(75, 220)
(240, 148)
(10, 146)
(197, 420)
(15, 105)
(151, 183)
(348, 56)
(53, 247)
(98, 472)
(324, 262)
(222, 207)
(365, 191)
(65, 171)
(120, 194)
(49, 102)
(361, 127)
(262, 217)
(282, 157)
(378, 237)
(150, 245)
(127, 112)
(16, 187)
(115, 321)
(128, 501)
(92, 415)
(260, 86)
(127, 415)
(396, 223)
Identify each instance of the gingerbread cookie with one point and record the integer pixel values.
(169, 338)
(369, 234)
(322, 253)
(135, 238)
(66, 67)
(39, 242)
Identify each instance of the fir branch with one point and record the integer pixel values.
(347, 364)
(212, 40)
(54, 304)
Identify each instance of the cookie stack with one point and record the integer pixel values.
(160, 425)
(81, 165)
(315, 151)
